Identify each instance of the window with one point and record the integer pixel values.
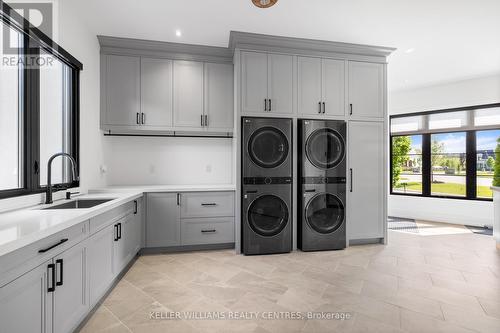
(448, 163)
(39, 110)
(407, 164)
(11, 117)
(486, 143)
(446, 153)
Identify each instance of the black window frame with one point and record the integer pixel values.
(33, 41)
(470, 151)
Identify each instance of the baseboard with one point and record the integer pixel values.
(186, 248)
(366, 241)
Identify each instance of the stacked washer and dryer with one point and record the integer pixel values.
(322, 185)
(267, 185)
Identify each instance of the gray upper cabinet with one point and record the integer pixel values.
(267, 83)
(156, 92)
(280, 83)
(309, 85)
(218, 98)
(254, 82)
(188, 94)
(366, 90)
(321, 86)
(122, 90)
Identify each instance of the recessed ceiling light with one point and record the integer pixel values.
(264, 3)
(178, 33)
(410, 50)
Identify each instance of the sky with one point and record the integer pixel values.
(455, 142)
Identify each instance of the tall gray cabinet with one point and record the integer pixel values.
(311, 79)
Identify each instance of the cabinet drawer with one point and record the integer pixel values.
(207, 204)
(207, 231)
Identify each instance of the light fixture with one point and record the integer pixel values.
(264, 3)
(178, 33)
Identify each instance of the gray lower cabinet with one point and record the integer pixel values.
(162, 220)
(100, 259)
(191, 218)
(71, 296)
(212, 230)
(25, 305)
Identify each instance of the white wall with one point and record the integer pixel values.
(162, 160)
(477, 91)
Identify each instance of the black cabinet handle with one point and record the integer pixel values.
(324, 107)
(135, 207)
(51, 275)
(209, 204)
(61, 272)
(319, 107)
(350, 187)
(208, 231)
(350, 109)
(116, 232)
(201, 120)
(64, 240)
(178, 199)
(265, 104)
(270, 105)
(137, 121)
(143, 117)
(120, 230)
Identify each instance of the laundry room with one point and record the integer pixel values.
(249, 166)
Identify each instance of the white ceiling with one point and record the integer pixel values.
(450, 39)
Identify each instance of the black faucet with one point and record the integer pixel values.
(48, 196)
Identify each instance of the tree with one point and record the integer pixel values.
(490, 162)
(437, 149)
(496, 174)
(401, 146)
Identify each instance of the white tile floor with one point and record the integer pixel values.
(444, 279)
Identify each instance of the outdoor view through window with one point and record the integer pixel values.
(431, 153)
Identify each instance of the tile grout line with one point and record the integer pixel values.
(121, 322)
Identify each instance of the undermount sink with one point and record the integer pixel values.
(79, 204)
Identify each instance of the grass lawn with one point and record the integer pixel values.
(446, 188)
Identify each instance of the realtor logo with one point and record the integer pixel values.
(39, 14)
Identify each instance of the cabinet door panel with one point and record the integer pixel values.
(100, 259)
(122, 251)
(122, 90)
(163, 220)
(366, 159)
(253, 81)
(333, 87)
(366, 89)
(188, 94)
(309, 85)
(156, 92)
(280, 71)
(71, 301)
(25, 304)
(219, 103)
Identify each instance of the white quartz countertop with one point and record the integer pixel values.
(25, 226)
(165, 188)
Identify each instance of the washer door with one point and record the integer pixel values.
(268, 147)
(325, 213)
(325, 148)
(267, 215)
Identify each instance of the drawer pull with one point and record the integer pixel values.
(208, 204)
(208, 231)
(64, 240)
